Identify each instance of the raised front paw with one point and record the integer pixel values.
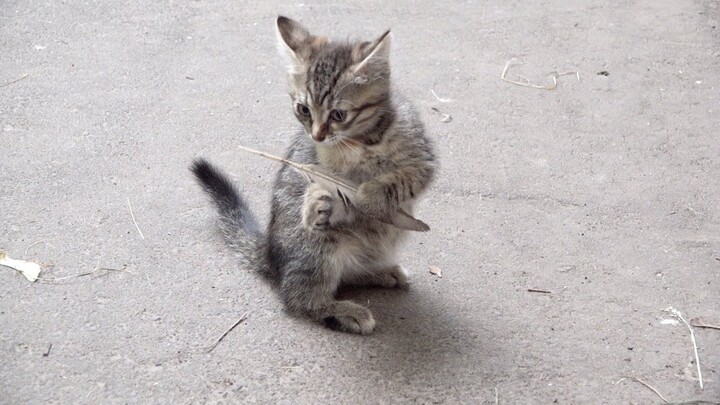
(317, 209)
(351, 317)
(323, 210)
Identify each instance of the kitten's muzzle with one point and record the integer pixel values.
(319, 133)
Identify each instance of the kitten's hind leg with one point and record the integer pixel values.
(394, 277)
(348, 316)
(304, 294)
(386, 277)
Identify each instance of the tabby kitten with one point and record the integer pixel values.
(356, 127)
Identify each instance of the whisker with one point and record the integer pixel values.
(345, 142)
(343, 147)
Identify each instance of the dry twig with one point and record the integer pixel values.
(31, 245)
(132, 215)
(444, 118)
(15, 81)
(441, 99)
(535, 290)
(242, 318)
(553, 75)
(345, 189)
(699, 323)
(96, 269)
(679, 316)
(649, 386)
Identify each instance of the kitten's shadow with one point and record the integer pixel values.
(420, 337)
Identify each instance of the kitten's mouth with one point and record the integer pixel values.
(329, 140)
(320, 137)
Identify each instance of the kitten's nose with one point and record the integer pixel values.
(319, 132)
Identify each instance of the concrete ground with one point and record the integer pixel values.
(603, 192)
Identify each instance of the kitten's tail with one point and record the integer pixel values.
(237, 224)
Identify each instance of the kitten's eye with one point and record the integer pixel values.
(303, 110)
(337, 115)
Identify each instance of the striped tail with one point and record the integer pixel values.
(237, 223)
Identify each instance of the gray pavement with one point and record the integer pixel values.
(604, 192)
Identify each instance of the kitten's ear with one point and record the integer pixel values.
(374, 55)
(292, 39)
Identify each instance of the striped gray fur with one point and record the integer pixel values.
(355, 126)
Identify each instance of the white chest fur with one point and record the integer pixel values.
(361, 254)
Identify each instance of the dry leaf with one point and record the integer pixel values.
(30, 270)
(345, 189)
(436, 271)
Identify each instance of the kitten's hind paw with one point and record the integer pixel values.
(351, 317)
(394, 277)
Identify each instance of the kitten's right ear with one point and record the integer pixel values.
(373, 55)
(292, 39)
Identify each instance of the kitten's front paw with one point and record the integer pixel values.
(317, 209)
(351, 317)
(323, 210)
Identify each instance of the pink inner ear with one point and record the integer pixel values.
(317, 42)
(294, 35)
(377, 53)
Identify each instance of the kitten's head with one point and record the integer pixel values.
(339, 90)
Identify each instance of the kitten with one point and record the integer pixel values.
(356, 127)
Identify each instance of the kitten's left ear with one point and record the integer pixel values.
(375, 55)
